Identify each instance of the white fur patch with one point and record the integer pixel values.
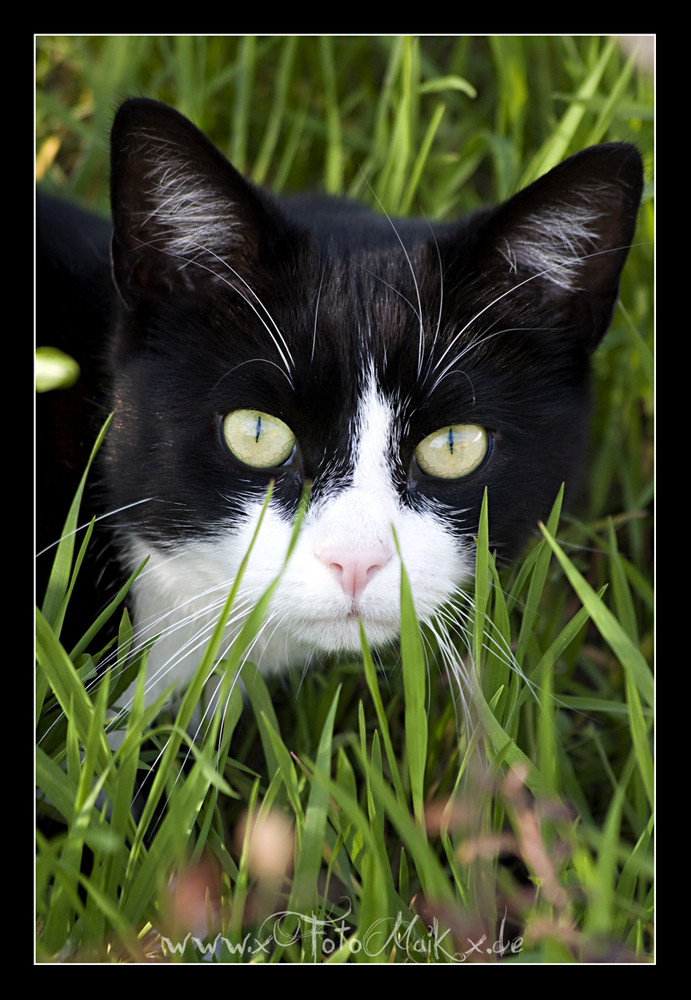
(556, 241)
(190, 216)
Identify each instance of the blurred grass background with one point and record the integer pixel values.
(481, 115)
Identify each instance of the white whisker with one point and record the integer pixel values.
(100, 517)
(475, 343)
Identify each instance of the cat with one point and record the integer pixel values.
(399, 368)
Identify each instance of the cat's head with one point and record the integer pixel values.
(399, 368)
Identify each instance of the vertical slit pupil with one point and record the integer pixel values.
(451, 440)
(259, 429)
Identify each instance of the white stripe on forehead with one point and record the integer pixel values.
(360, 511)
(375, 436)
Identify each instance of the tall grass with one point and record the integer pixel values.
(421, 826)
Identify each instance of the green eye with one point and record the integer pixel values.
(452, 452)
(258, 439)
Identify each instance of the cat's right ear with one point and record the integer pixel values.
(182, 215)
(560, 244)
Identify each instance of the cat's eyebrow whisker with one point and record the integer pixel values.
(441, 289)
(546, 272)
(283, 349)
(421, 338)
(316, 311)
(267, 320)
(252, 361)
(467, 349)
(396, 291)
(451, 368)
(421, 328)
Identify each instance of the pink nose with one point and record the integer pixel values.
(354, 569)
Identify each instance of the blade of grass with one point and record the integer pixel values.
(537, 582)
(610, 629)
(415, 692)
(53, 607)
(556, 147)
(371, 678)
(276, 118)
(639, 682)
(305, 890)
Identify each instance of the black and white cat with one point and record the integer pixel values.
(400, 368)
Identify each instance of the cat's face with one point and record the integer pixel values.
(396, 370)
(321, 389)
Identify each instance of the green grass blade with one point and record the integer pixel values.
(557, 146)
(621, 645)
(61, 573)
(481, 583)
(371, 678)
(537, 582)
(305, 892)
(415, 691)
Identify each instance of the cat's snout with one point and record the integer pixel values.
(354, 568)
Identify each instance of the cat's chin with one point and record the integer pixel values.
(334, 635)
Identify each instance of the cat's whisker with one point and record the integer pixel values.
(268, 323)
(316, 312)
(456, 617)
(254, 361)
(82, 527)
(172, 620)
(418, 311)
(397, 291)
(438, 326)
(474, 343)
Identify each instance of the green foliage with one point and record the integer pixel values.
(400, 787)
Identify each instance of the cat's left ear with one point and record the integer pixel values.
(182, 215)
(562, 242)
